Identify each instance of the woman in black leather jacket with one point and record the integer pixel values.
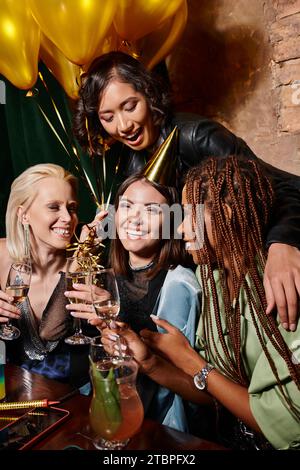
(126, 110)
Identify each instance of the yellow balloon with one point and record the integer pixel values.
(19, 43)
(76, 27)
(156, 46)
(137, 18)
(109, 43)
(67, 73)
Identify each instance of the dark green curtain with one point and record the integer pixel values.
(27, 138)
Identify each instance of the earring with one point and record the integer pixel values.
(26, 240)
(104, 143)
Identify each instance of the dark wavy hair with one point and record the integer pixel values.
(171, 252)
(125, 68)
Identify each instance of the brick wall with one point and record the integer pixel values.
(239, 62)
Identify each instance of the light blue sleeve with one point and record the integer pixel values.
(179, 301)
(179, 304)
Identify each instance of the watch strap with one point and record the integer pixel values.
(200, 378)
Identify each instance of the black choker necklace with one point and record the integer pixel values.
(141, 268)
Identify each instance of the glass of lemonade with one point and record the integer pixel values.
(116, 411)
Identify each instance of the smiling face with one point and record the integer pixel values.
(194, 237)
(52, 215)
(139, 220)
(125, 115)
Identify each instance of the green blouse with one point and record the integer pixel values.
(278, 424)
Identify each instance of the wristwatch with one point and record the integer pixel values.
(200, 379)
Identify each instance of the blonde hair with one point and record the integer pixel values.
(23, 191)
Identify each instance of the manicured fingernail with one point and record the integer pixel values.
(117, 347)
(285, 325)
(154, 316)
(112, 337)
(67, 293)
(72, 313)
(293, 327)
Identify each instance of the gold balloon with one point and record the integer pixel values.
(156, 46)
(76, 27)
(109, 43)
(19, 43)
(67, 73)
(137, 18)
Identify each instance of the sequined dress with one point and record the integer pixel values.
(40, 347)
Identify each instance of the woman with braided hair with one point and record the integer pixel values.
(246, 362)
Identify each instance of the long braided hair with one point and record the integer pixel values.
(238, 248)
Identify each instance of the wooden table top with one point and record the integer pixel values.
(75, 431)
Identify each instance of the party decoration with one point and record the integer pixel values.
(76, 27)
(137, 18)
(162, 165)
(19, 43)
(90, 250)
(157, 45)
(67, 73)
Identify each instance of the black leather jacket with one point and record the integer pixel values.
(200, 137)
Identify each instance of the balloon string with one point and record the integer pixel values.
(130, 49)
(100, 179)
(55, 132)
(75, 153)
(54, 105)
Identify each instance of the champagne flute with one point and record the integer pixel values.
(17, 286)
(105, 294)
(106, 298)
(78, 270)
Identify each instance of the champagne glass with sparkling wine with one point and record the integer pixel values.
(106, 299)
(17, 286)
(78, 270)
(105, 294)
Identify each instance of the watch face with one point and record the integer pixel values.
(199, 382)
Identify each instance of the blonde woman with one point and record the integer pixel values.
(42, 214)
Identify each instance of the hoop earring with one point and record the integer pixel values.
(26, 240)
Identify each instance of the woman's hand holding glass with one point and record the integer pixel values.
(78, 271)
(105, 294)
(106, 301)
(84, 308)
(17, 287)
(7, 309)
(130, 343)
